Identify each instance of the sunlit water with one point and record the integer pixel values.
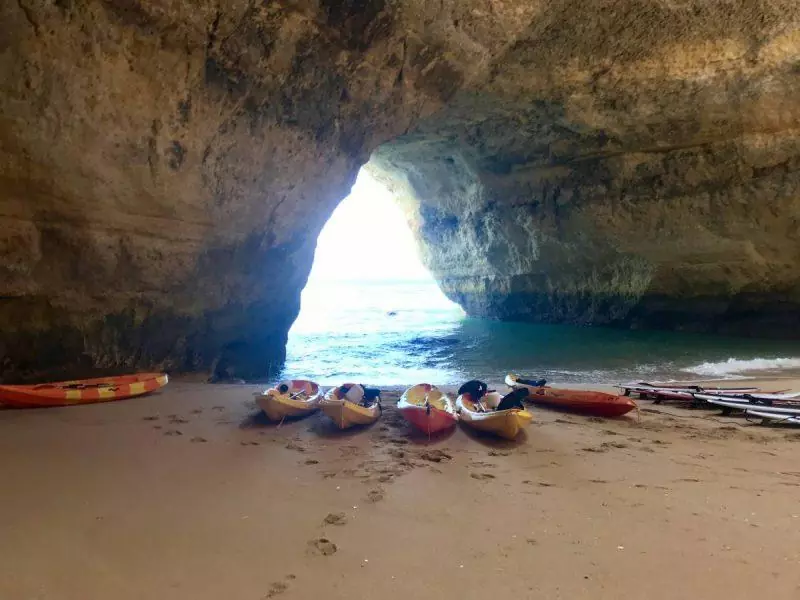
(391, 325)
(404, 332)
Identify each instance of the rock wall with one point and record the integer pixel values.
(624, 163)
(167, 165)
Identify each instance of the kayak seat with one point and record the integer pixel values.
(532, 382)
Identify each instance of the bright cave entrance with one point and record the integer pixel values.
(369, 302)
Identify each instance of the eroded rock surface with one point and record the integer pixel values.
(167, 165)
(625, 163)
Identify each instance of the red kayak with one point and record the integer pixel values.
(598, 404)
(427, 408)
(81, 391)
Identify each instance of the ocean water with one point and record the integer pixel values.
(405, 332)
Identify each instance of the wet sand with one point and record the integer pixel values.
(190, 494)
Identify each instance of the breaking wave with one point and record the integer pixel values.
(735, 366)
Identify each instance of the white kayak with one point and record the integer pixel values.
(745, 405)
(684, 393)
(783, 418)
(758, 397)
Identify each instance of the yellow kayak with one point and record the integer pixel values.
(345, 413)
(505, 423)
(293, 398)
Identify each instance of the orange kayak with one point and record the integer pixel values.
(81, 391)
(598, 404)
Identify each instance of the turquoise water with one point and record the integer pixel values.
(404, 332)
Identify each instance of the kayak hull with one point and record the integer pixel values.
(346, 414)
(598, 404)
(302, 399)
(679, 392)
(427, 408)
(81, 391)
(784, 408)
(505, 423)
(771, 416)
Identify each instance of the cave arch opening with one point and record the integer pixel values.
(370, 308)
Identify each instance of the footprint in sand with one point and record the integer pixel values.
(276, 589)
(198, 440)
(498, 453)
(294, 446)
(375, 495)
(436, 456)
(321, 547)
(173, 432)
(335, 519)
(250, 443)
(175, 419)
(481, 476)
(595, 449)
(197, 411)
(151, 418)
(483, 465)
(310, 461)
(619, 445)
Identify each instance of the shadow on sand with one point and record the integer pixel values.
(492, 441)
(324, 427)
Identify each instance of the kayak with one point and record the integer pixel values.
(681, 392)
(299, 399)
(427, 408)
(81, 391)
(598, 404)
(782, 408)
(782, 418)
(345, 413)
(505, 423)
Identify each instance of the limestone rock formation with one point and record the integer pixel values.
(167, 165)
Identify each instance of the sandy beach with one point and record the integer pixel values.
(190, 494)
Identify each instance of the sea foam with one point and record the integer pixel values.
(736, 366)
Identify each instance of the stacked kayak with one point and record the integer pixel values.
(81, 391)
(789, 419)
(482, 416)
(597, 404)
(292, 398)
(346, 411)
(678, 391)
(427, 408)
(778, 404)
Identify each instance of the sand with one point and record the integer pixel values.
(189, 494)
